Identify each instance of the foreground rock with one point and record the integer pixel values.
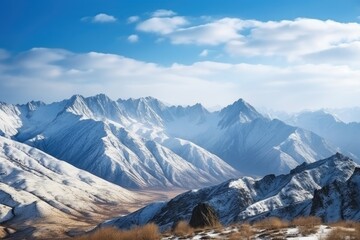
(203, 216)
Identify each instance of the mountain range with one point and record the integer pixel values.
(330, 127)
(328, 188)
(76, 162)
(144, 143)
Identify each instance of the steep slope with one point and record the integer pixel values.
(346, 115)
(40, 189)
(250, 142)
(247, 199)
(338, 200)
(97, 134)
(344, 135)
(114, 140)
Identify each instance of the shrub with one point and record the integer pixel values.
(271, 223)
(346, 224)
(343, 234)
(182, 229)
(310, 221)
(307, 225)
(246, 231)
(147, 232)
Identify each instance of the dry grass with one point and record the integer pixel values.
(246, 231)
(183, 229)
(343, 234)
(235, 236)
(148, 232)
(345, 230)
(307, 225)
(271, 223)
(346, 224)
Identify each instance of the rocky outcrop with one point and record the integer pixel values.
(203, 215)
(338, 200)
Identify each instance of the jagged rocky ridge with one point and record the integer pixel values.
(285, 196)
(138, 143)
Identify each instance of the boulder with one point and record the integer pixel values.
(203, 215)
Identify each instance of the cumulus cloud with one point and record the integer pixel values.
(292, 40)
(161, 25)
(100, 18)
(163, 13)
(214, 33)
(133, 38)
(133, 19)
(54, 74)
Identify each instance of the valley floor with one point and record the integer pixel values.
(69, 226)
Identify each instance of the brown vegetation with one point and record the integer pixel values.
(344, 230)
(148, 232)
(343, 234)
(271, 223)
(183, 229)
(245, 232)
(306, 225)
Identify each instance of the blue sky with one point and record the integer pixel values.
(285, 55)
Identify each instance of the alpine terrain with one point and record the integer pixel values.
(144, 143)
(328, 188)
(43, 196)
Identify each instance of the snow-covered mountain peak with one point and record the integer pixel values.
(146, 110)
(198, 108)
(103, 98)
(239, 111)
(33, 105)
(77, 106)
(337, 160)
(321, 116)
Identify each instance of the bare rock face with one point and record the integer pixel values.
(203, 215)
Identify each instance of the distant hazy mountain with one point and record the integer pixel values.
(346, 115)
(340, 134)
(285, 196)
(145, 143)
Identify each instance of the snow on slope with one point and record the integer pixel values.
(124, 147)
(111, 139)
(344, 135)
(338, 200)
(246, 199)
(36, 185)
(251, 143)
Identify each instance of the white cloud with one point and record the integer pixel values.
(133, 19)
(133, 38)
(214, 33)
(54, 74)
(100, 18)
(204, 53)
(292, 40)
(163, 13)
(163, 25)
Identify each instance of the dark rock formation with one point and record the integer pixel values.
(203, 216)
